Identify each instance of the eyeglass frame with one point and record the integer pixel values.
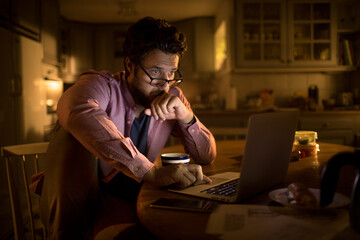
(177, 83)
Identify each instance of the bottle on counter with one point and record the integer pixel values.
(313, 97)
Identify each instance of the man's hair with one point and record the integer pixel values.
(148, 34)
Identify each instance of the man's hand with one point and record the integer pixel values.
(182, 175)
(168, 106)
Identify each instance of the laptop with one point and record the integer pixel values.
(265, 160)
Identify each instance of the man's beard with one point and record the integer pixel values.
(141, 98)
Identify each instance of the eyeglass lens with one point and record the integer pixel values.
(175, 81)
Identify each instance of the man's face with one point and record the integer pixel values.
(159, 65)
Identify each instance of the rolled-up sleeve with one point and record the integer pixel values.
(82, 110)
(196, 138)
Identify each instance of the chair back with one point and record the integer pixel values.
(329, 181)
(22, 161)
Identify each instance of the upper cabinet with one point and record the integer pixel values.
(21, 16)
(285, 34)
(348, 15)
(50, 25)
(348, 21)
(260, 33)
(312, 33)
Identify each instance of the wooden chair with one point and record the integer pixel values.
(21, 162)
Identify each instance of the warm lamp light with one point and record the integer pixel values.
(220, 45)
(54, 90)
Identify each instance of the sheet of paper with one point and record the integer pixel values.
(236, 221)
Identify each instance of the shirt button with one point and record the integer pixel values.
(136, 169)
(192, 130)
(128, 122)
(111, 156)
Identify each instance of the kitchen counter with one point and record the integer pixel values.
(333, 126)
(246, 112)
(333, 112)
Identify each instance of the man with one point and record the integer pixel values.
(123, 120)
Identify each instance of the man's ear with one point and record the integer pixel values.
(129, 65)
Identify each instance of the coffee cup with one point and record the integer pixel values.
(174, 158)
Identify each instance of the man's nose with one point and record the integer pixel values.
(165, 86)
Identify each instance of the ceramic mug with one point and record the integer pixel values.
(174, 158)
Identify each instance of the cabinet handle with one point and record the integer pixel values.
(16, 86)
(326, 125)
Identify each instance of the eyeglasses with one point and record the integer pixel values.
(159, 82)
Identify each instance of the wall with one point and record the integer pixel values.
(34, 104)
(197, 65)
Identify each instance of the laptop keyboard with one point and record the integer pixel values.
(226, 189)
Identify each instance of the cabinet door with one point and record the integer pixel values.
(312, 34)
(25, 18)
(343, 137)
(10, 87)
(50, 31)
(5, 10)
(331, 128)
(260, 35)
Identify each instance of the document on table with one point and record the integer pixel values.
(235, 221)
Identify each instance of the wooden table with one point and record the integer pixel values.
(172, 224)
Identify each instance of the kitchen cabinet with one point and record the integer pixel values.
(332, 127)
(349, 34)
(348, 17)
(287, 34)
(21, 16)
(35, 19)
(50, 31)
(10, 86)
(5, 10)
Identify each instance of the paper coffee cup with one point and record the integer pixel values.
(174, 158)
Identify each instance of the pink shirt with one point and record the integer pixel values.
(98, 110)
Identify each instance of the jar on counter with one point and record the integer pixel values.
(305, 143)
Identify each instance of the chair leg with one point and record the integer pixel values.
(18, 223)
(28, 200)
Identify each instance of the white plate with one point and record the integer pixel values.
(280, 196)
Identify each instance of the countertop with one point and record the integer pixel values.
(245, 112)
